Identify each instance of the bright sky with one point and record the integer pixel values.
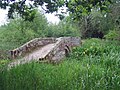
(50, 17)
(3, 16)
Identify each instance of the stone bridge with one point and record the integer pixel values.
(52, 49)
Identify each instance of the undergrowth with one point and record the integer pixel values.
(93, 66)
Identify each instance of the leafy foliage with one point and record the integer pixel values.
(95, 22)
(21, 31)
(66, 27)
(113, 35)
(75, 7)
(94, 47)
(26, 9)
(83, 7)
(113, 20)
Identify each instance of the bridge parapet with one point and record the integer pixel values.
(63, 47)
(31, 45)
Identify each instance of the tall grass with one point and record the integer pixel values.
(95, 69)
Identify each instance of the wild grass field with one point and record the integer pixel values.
(93, 66)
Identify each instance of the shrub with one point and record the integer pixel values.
(94, 47)
(113, 35)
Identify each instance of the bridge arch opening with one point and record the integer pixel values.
(67, 50)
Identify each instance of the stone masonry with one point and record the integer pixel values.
(51, 49)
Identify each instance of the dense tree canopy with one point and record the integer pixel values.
(76, 7)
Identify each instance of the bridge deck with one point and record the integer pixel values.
(39, 53)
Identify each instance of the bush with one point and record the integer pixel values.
(113, 35)
(95, 47)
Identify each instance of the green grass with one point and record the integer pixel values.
(96, 69)
(3, 63)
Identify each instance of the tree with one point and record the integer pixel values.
(114, 19)
(78, 9)
(75, 7)
(19, 31)
(65, 27)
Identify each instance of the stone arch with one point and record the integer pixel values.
(67, 50)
